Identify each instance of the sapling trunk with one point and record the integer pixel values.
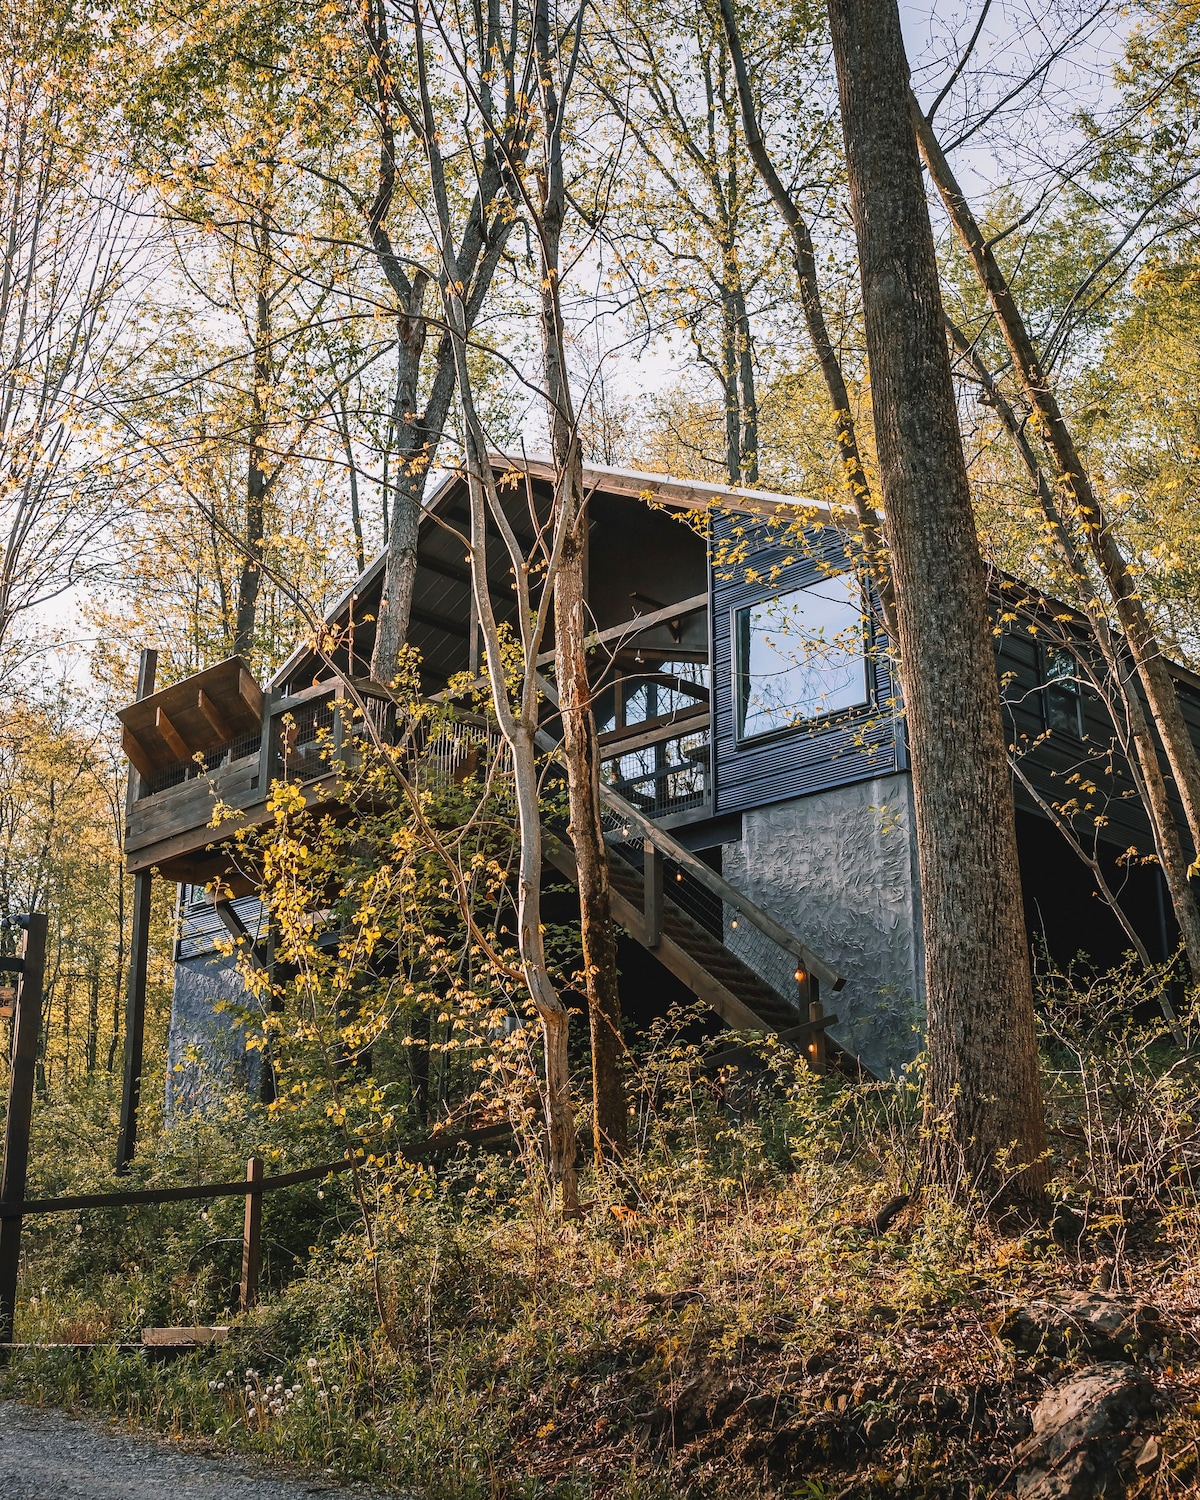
(570, 632)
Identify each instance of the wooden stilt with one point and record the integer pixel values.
(27, 1019)
(135, 981)
(252, 1234)
(135, 1019)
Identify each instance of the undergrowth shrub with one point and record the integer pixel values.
(743, 1214)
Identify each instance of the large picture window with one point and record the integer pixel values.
(800, 655)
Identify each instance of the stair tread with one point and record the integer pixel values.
(706, 949)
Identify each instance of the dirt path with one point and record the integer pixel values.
(45, 1455)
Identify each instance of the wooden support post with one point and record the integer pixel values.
(810, 999)
(135, 1019)
(27, 1020)
(135, 982)
(147, 671)
(652, 893)
(266, 754)
(252, 1234)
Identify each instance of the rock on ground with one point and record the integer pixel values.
(45, 1455)
(1080, 1430)
(1100, 1324)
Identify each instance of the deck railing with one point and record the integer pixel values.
(664, 770)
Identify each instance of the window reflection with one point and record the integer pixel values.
(800, 655)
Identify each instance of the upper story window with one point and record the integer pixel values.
(1062, 697)
(800, 655)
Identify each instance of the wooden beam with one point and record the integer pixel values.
(136, 754)
(239, 932)
(653, 731)
(175, 741)
(638, 625)
(250, 692)
(629, 631)
(216, 719)
(27, 1022)
(705, 986)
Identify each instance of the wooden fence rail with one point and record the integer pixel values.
(251, 1187)
(434, 1145)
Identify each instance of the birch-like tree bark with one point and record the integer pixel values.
(418, 428)
(516, 709)
(580, 748)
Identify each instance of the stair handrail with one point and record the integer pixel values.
(685, 859)
(680, 855)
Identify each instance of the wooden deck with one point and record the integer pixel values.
(170, 826)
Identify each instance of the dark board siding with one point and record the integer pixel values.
(804, 760)
(1060, 764)
(795, 762)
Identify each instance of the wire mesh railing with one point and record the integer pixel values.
(457, 749)
(188, 770)
(671, 775)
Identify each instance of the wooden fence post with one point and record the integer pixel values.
(252, 1234)
(27, 1020)
(810, 991)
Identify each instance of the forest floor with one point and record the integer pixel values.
(752, 1309)
(1017, 1377)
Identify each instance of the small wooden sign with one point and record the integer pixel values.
(196, 1335)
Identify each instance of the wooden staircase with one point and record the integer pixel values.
(714, 973)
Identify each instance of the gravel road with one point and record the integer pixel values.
(45, 1455)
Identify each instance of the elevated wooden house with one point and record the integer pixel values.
(753, 749)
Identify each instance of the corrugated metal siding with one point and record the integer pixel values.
(201, 930)
(811, 758)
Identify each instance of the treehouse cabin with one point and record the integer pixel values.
(754, 764)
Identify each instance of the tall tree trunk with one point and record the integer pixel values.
(1182, 756)
(729, 382)
(983, 1102)
(610, 1107)
(93, 1021)
(412, 458)
(253, 527)
(418, 432)
(519, 725)
(749, 395)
